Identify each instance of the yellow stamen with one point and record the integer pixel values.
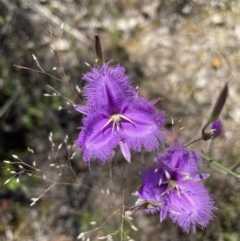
(116, 119)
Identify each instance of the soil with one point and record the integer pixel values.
(183, 51)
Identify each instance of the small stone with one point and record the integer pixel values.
(187, 9)
(217, 19)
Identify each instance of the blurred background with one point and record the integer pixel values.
(181, 50)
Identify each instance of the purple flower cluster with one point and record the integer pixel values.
(172, 186)
(115, 115)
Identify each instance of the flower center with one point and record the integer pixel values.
(171, 184)
(116, 119)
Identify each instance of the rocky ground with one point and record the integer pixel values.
(182, 50)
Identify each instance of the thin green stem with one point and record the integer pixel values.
(217, 164)
(193, 141)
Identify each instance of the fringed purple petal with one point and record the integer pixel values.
(81, 108)
(96, 142)
(191, 207)
(181, 158)
(152, 186)
(152, 210)
(111, 78)
(145, 128)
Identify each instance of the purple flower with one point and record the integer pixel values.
(115, 115)
(172, 187)
(217, 128)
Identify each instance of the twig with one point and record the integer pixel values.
(38, 71)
